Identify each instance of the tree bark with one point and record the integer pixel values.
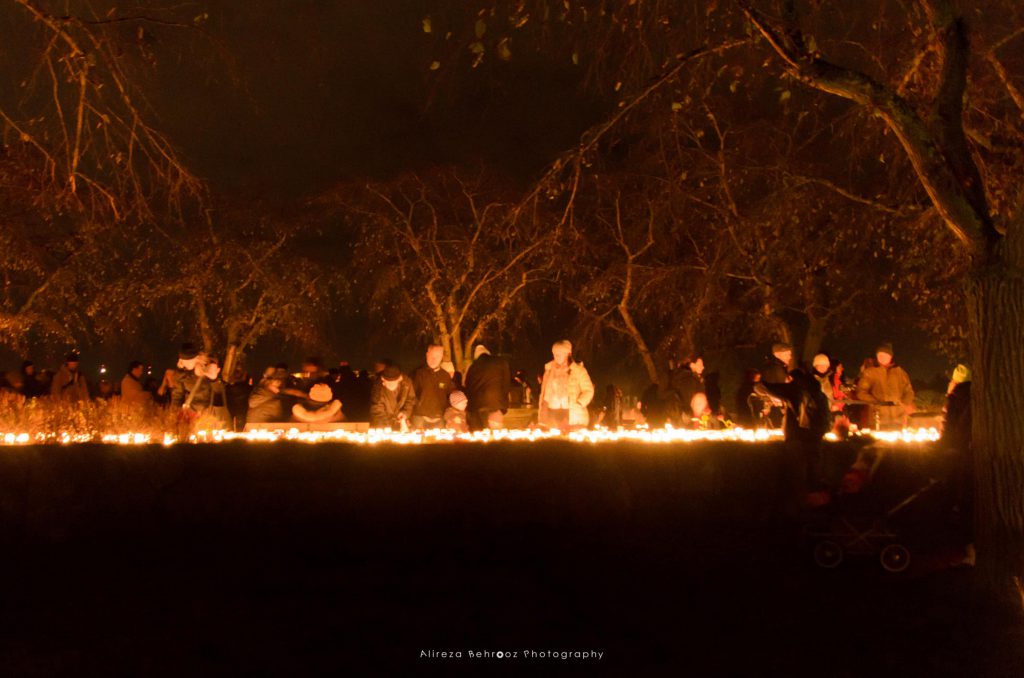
(996, 316)
(641, 345)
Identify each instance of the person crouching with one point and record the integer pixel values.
(391, 400)
(320, 408)
(455, 413)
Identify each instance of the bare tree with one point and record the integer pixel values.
(447, 253)
(85, 168)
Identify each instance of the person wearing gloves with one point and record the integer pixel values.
(565, 391)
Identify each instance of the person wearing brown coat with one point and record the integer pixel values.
(69, 384)
(886, 386)
(132, 393)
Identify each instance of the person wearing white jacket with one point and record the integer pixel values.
(565, 391)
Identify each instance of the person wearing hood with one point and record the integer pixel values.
(320, 407)
(886, 386)
(69, 384)
(392, 399)
(565, 392)
(488, 381)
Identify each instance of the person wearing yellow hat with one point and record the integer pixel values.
(956, 438)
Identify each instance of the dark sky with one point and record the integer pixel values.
(319, 91)
(286, 97)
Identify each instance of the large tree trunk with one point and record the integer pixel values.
(996, 315)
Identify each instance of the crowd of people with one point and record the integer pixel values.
(436, 395)
(804, 403)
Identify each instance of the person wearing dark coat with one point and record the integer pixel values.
(432, 385)
(391, 400)
(776, 370)
(686, 381)
(266, 404)
(488, 381)
(31, 386)
(192, 388)
(805, 424)
(956, 438)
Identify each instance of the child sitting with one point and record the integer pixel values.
(455, 414)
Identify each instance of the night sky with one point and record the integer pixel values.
(324, 91)
(280, 101)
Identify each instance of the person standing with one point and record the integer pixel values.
(69, 384)
(565, 391)
(488, 381)
(685, 382)
(805, 424)
(432, 386)
(886, 386)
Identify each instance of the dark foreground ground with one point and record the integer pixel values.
(238, 560)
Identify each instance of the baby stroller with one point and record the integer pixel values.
(855, 523)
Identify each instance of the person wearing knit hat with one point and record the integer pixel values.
(886, 386)
(821, 370)
(320, 408)
(488, 381)
(961, 374)
(455, 413)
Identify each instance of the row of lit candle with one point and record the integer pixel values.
(379, 436)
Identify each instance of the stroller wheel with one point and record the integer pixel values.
(895, 558)
(828, 554)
